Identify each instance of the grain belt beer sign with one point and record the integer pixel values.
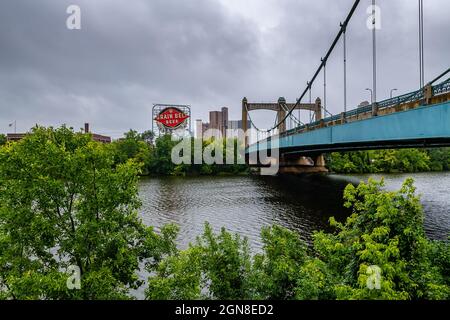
(172, 118)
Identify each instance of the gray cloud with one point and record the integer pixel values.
(206, 53)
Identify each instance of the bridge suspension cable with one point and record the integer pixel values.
(293, 117)
(374, 56)
(310, 101)
(345, 70)
(325, 86)
(324, 105)
(323, 62)
(440, 76)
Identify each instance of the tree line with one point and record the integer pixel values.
(390, 161)
(156, 159)
(155, 156)
(66, 200)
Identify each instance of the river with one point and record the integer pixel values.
(245, 204)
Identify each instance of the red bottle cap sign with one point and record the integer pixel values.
(172, 118)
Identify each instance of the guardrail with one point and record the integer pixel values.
(442, 87)
(418, 95)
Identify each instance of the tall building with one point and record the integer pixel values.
(218, 120)
(224, 120)
(205, 127)
(234, 126)
(198, 128)
(215, 120)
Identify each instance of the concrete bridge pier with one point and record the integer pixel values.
(295, 164)
(320, 161)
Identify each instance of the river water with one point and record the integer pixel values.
(245, 204)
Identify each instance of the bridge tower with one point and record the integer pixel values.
(289, 163)
(280, 108)
(281, 114)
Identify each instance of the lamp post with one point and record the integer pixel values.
(374, 59)
(421, 46)
(371, 95)
(392, 90)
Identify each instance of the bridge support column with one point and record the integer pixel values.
(374, 109)
(320, 161)
(343, 118)
(295, 164)
(428, 93)
(281, 114)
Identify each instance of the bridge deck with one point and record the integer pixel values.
(419, 127)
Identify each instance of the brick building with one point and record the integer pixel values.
(95, 137)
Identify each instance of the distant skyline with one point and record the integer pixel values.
(205, 53)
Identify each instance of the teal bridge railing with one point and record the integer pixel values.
(418, 95)
(421, 126)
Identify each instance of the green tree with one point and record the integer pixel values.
(385, 230)
(276, 270)
(351, 162)
(132, 146)
(401, 160)
(157, 159)
(161, 160)
(439, 159)
(412, 160)
(2, 139)
(226, 264)
(63, 202)
(215, 267)
(148, 136)
(177, 277)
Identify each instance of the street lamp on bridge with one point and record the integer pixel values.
(392, 90)
(371, 95)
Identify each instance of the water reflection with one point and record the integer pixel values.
(246, 204)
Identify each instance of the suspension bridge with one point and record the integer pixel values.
(418, 119)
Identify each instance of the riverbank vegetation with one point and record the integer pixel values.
(380, 252)
(156, 158)
(2, 139)
(390, 161)
(66, 201)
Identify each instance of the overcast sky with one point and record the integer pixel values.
(206, 53)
